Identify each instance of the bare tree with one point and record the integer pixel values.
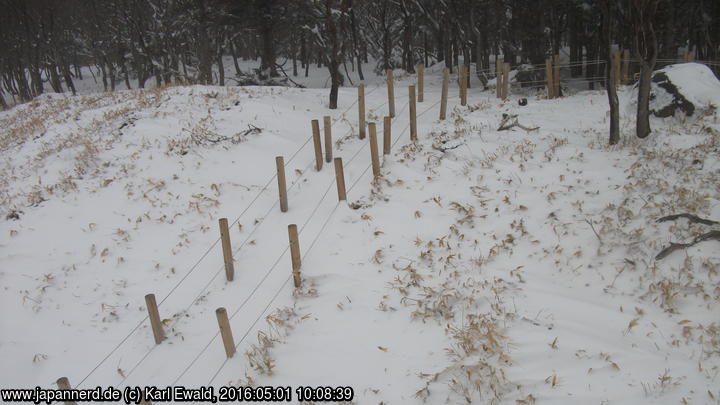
(608, 26)
(642, 13)
(333, 18)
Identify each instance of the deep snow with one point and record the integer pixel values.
(517, 266)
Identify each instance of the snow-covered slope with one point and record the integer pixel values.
(485, 265)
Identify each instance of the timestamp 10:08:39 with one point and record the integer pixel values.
(284, 394)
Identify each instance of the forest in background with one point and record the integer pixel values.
(183, 41)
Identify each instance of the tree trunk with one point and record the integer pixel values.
(78, 68)
(608, 22)
(575, 26)
(36, 81)
(643, 13)
(221, 68)
(3, 104)
(440, 39)
(334, 56)
(111, 76)
(68, 78)
(234, 56)
(104, 76)
(54, 78)
(303, 51)
(643, 110)
(267, 59)
(167, 70)
(408, 54)
(356, 48)
(204, 53)
(158, 76)
(669, 44)
(124, 70)
(425, 49)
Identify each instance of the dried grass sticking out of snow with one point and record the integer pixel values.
(81, 128)
(445, 284)
(673, 173)
(279, 326)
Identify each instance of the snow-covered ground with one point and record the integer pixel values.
(485, 266)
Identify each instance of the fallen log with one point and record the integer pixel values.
(511, 121)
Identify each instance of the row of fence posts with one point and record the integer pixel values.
(619, 70)
(619, 73)
(415, 93)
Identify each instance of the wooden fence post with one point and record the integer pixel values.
(295, 254)
(463, 76)
(688, 55)
(616, 66)
(327, 121)
(361, 111)
(227, 249)
(387, 135)
(340, 179)
(506, 80)
(282, 187)
(391, 93)
(64, 384)
(549, 78)
(498, 77)
(318, 145)
(444, 95)
(154, 316)
(626, 67)
(413, 114)
(225, 331)
(556, 75)
(374, 151)
(616, 69)
(421, 83)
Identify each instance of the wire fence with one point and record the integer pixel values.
(282, 254)
(527, 67)
(270, 270)
(210, 248)
(316, 238)
(528, 84)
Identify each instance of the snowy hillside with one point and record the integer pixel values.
(486, 266)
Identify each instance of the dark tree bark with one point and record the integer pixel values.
(3, 103)
(666, 11)
(608, 25)
(642, 13)
(356, 48)
(221, 69)
(204, 54)
(574, 34)
(334, 56)
(234, 56)
(267, 31)
(407, 39)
